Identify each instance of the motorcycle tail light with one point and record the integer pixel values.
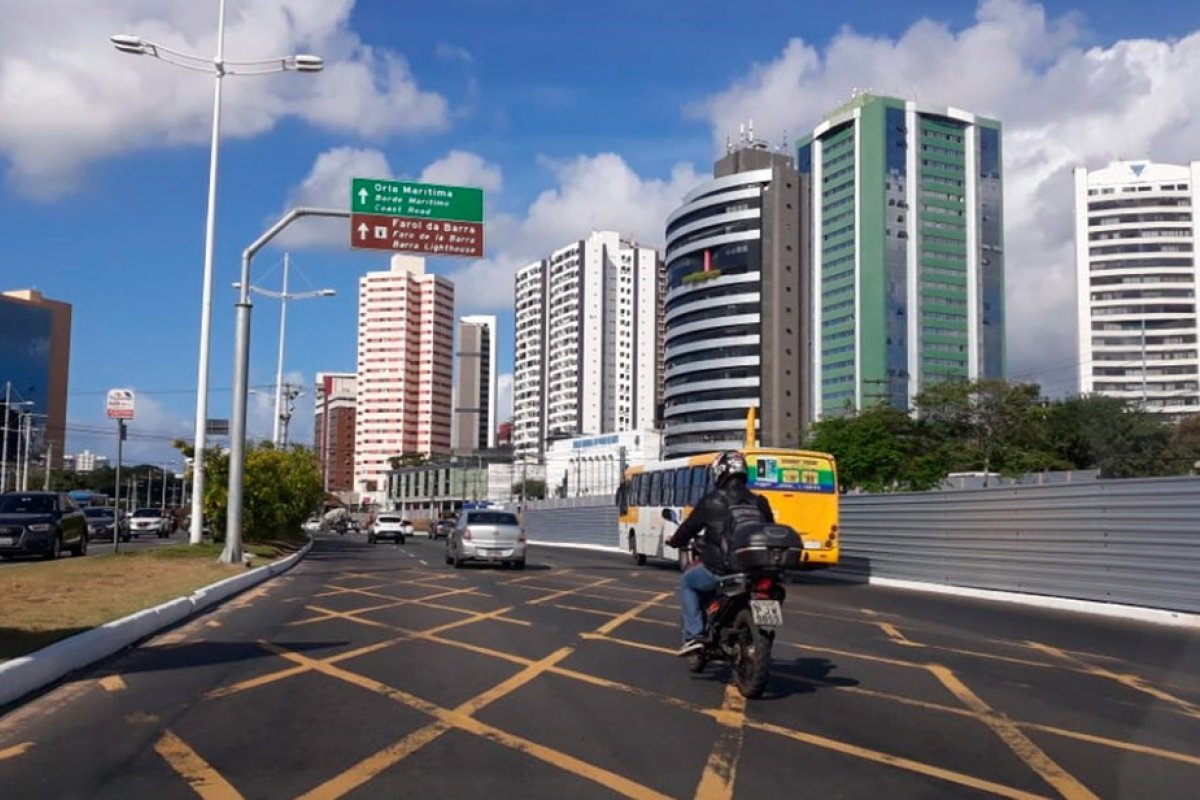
(713, 607)
(763, 586)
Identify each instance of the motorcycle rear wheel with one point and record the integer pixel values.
(752, 663)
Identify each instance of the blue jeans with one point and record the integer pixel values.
(695, 582)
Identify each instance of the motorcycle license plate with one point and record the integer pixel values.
(767, 613)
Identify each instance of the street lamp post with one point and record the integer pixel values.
(218, 67)
(283, 297)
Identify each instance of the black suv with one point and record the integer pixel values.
(41, 523)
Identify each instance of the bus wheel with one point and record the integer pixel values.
(638, 558)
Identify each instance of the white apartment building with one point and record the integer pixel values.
(87, 461)
(1135, 237)
(405, 368)
(587, 344)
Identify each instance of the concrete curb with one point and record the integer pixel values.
(26, 674)
(598, 548)
(1156, 616)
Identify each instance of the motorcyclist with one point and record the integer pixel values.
(712, 516)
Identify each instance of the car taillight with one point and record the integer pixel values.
(521, 536)
(467, 534)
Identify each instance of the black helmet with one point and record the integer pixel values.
(726, 465)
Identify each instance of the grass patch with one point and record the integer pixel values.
(48, 601)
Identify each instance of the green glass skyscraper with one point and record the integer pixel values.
(907, 243)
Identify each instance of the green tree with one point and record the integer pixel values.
(1107, 434)
(281, 488)
(987, 425)
(531, 488)
(880, 449)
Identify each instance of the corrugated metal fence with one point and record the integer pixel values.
(1135, 542)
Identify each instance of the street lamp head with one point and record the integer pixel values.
(305, 62)
(326, 293)
(128, 43)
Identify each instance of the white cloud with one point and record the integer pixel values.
(453, 52)
(504, 385)
(599, 192)
(1061, 106)
(70, 98)
(460, 168)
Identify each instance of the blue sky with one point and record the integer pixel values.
(570, 115)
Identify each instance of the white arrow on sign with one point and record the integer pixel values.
(362, 230)
(362, 195)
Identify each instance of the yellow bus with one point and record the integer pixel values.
(800, 485)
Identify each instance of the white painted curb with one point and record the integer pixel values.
(1157, 616)
(26, 674)
(598, 548)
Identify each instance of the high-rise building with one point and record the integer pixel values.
(736, 305)
(336, 400)
(908, 251)
(35, 357)
(405, 368)
(87, 461)
(475, 391)
(1136, 230)
(586, 343)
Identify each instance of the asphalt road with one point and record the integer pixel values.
(381, 672)
(105, 546)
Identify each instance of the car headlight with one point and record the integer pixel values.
(41, 527)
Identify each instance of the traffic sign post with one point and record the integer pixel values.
(416, 217)
(119, 405)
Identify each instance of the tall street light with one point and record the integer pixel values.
(283, 297)
(218, 67)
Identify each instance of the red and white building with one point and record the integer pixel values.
(333, 428)
(405, 368)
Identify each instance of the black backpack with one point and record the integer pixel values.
(754, 543)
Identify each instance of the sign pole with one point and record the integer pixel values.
(117, 508)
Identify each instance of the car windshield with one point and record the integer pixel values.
(97, 512)
(26, 504)
(147, 512)
(491, 518)
(390, 520)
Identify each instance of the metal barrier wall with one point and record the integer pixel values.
(1134, 542)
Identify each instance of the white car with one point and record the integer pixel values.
(390, 526)
(149, 520)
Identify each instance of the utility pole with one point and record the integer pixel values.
(4, 446)
(49, 462)
(290, 392)
(28, 443)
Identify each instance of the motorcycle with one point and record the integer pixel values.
(743, 613)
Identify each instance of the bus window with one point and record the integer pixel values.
(699, 483)
(682, 490)
(643, 489)
(655, 489)
(668, 488)
(622, 494)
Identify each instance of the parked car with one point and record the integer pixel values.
(441, 529)
(487, 535)
(389, 526)
(150, 520)
(100, 523)
(41, 523)
(312, 524)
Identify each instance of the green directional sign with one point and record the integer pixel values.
(419, 200)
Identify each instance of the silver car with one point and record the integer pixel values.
(486, 535)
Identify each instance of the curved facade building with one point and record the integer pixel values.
(1135, 238)
(734, 329)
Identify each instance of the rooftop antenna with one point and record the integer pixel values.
(728, 144)
(783, 144)
(750, 136)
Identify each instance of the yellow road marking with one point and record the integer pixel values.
(345, 615)
(1024, 748)
(458, 719)
(720, 772)
(510, 685)
(1134, 682)
(878, 757)
(653, 648)
(204, 780)
(365, 770)
(15, 750)
(625, 616)
(896, 636)
(565, 592)
(869, 612)
(113, 683)
(263, 680)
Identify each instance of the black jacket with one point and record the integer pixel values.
(711, 515)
